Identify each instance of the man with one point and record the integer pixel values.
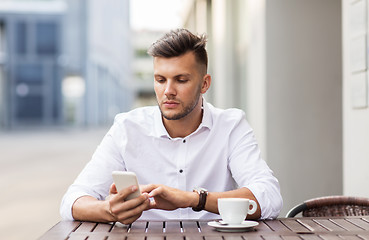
(175, 147)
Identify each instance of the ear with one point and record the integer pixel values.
(206, 81)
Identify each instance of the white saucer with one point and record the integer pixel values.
(244, 226)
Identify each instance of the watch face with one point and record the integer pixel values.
(199, 189)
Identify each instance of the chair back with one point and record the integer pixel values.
(332, 206)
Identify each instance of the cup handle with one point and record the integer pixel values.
(254, 207)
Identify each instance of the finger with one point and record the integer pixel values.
(148, 188)
(152, 204)
(132, 213)
(120, 196)
(113, 189)
(130, 220)
(118, 207)
(156, 191)
(132, 203)
(123, 194)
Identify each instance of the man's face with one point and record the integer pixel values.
(178, 85)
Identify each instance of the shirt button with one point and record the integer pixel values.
(184, 140)
(180, 171)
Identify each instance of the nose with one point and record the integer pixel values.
(170, 89)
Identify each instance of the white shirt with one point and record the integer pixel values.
(221, 155)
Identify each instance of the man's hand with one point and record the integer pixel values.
(129, 211)
(167, 198)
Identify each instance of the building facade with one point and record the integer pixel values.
(30, 73)
(64, 62)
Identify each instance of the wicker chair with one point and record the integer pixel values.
(332, 206)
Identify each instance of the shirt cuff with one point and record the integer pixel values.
(67, 204)
(269, 201)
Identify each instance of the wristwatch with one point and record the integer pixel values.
(203, 193)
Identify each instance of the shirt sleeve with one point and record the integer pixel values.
(95, 179)
(251, 171)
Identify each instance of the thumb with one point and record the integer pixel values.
(113, 189)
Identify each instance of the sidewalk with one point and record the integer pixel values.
(36, 168)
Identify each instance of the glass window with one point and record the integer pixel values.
(46, 38)
(31, 72)
(20, 38)
(30, 107)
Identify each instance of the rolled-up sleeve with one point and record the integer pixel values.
(95, 179)
(251, 171)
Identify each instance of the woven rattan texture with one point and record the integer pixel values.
(336, 210)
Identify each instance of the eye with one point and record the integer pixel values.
(160, 80)
(183, 80)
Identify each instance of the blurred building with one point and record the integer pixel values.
(108, 55)
(30, 73)
(142, 67)
(281, 62)
(64, 62)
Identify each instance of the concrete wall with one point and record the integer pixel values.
(280, 61)
(355, 98)
(303, 97)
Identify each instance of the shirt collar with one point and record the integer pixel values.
(206, 122)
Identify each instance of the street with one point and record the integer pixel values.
(36, 168)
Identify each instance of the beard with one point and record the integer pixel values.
(186, 110)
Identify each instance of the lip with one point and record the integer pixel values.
(170, 104)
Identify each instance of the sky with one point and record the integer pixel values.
(155, 14)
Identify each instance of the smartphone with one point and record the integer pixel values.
(123, 180)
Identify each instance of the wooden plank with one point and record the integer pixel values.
(155, 227)
(231, 237)
(118, 237)
(60, 230)
(295, 226)
(349, 237)
(309, 223)
(271, 237)
(277, 225)
(205, 228)
(329, 237)
(346, 224)
(119, 228)
(149, 237)
(359, 222)
(248, 236)
(133, 237)
(91, 235)
(309, 237)
(195, 237)
(174, 237)
(219, 237)
(173, 227)
(263, 227)
(289, 237)
(103, 227)
(86, 227)
(364, 236)
(77, 237)
(100, 236)
(327, 224)
(137, 227)
(190, 227)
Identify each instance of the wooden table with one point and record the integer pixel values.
(285, 228)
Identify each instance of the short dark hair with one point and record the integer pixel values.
(178, 42)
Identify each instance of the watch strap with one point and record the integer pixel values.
(203, 193)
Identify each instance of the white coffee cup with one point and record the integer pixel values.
(235, 210)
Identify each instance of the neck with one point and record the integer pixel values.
(186, 125)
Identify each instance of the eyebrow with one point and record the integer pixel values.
(176, 76)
